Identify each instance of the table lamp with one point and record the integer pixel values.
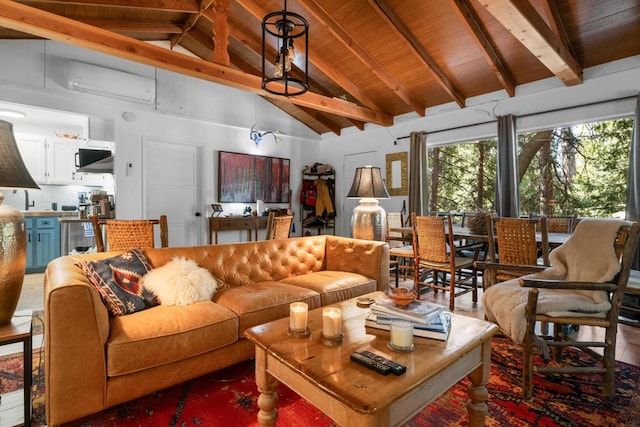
(369, 220)
(13, 234)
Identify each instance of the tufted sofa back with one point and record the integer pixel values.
(241, 264)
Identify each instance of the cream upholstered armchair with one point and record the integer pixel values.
(584, 286)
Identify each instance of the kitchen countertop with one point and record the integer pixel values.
(65, 214)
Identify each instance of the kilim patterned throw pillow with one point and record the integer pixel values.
(118, 280)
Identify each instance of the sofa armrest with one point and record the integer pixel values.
(76, 332)
(366, 257)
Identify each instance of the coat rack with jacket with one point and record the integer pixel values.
(317, 200)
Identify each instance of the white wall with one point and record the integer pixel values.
(605, 94)
(188, 110)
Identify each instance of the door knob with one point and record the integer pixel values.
(198, 214)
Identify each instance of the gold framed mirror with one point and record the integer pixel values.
(397, 174)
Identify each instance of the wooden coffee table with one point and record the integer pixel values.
(353, 395)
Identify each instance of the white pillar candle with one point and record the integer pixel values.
(401, 334)
(331, 322)
(298, 316)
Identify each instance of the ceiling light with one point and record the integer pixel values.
(13, 114)
(282, 28)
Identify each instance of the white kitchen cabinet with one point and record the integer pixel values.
(52, 161)
(61, 166)
(32, 149)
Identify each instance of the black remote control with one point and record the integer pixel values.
(396, 368)
(367, 362)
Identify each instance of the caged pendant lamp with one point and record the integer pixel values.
(281, 29)
(369, 220)
(13, 234)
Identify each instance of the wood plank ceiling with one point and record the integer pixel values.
(369, 60)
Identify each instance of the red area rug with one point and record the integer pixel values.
(228, 398)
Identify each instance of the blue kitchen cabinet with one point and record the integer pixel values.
(43, 242)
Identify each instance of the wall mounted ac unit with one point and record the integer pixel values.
(109, 82)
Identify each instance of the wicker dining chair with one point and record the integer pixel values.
(124, 235)
(513, 248)
(559, 223)
(278, 226)
(435, 252)
(400, 251)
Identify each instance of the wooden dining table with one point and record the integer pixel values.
(555, 239)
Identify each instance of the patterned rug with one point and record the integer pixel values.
(228, 398)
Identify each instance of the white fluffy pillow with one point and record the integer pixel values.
(180, 282)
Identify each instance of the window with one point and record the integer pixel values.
(578, 169)
(462, 176)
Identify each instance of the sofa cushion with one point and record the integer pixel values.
(166, 334)
(180, 282)
(334, 286)
(117, 280)
(264, 301)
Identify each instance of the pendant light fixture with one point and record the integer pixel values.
(281, 29)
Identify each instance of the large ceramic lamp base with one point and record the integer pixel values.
(13, 256)
(369, 221)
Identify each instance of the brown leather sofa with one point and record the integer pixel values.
(94, 361)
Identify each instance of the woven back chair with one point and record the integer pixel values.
(278, 227)
(514, 249)
(435, 252)
(560, 223)
(124, 235)
(566, 315)
(394, 238)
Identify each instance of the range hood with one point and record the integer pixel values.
(101, 166)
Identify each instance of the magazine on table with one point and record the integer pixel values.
(438, 328)
(417, 311)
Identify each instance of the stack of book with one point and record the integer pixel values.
(429, 320)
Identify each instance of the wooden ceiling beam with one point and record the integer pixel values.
(191, 22)
(54, 27)
(316, 115)
(477, 31)
(129, 26)
(220, 31)
(555, 20)
(362, 54)
(316, 59)
(407, 36)
(186, 6)
(521, 19)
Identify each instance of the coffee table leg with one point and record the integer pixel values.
(268, 387)
(477, 404)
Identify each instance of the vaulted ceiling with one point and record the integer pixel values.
(369, 60)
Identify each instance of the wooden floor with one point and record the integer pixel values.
(628, 344)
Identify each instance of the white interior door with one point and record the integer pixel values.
(171, 187)
(351, 162)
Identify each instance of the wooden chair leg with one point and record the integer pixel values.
(452, 291)
(609, 382)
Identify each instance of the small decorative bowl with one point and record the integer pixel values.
(402, 297)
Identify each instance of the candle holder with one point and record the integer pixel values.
(332, 341)
(298, 312)
(302, 333)
(401, 337)
(331, 326)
